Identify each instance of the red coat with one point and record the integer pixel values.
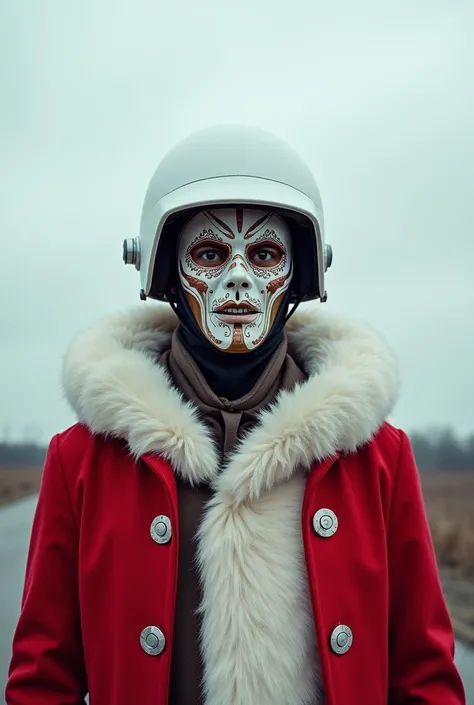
(98, 575)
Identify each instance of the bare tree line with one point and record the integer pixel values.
(21, 455)
(436, 450)
(443, 450)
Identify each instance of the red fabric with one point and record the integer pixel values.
(95, 579)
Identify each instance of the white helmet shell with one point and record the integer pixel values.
(228, 165)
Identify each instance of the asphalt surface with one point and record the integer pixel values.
(15, 527)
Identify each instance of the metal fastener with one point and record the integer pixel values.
(160, 529)
(325, 523)
(152, 641)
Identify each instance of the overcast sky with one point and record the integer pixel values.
(379, 99)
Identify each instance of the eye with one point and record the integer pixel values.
(209, 254)
(265, 255)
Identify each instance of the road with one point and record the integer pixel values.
(15, 526)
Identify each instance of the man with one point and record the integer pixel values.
(232, 521)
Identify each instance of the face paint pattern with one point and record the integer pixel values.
(235, 265)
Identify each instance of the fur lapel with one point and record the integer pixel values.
(258, 636)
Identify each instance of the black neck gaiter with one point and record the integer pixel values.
(229, 375)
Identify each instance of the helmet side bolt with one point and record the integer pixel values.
(131, 251)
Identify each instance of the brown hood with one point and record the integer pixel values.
(230, 420)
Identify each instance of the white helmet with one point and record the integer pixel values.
(227, 166)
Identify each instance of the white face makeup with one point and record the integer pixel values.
(235, 265)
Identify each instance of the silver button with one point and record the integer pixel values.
(152, 641)
(341, 639)
(325, 523)
(160, 529)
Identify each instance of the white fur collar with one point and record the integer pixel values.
(258, 637)
(112, 381)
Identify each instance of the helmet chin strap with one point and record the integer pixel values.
(172, 302)
(295, 306)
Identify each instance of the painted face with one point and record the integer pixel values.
(235, 265)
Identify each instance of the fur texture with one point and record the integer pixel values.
(258, 635)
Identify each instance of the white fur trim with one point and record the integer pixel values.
(112, 381)
(352, 388)
(258, 634)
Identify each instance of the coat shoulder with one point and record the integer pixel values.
(389, 438)
(386, 446)
(76, 439)
(376, 465)
(80, 450)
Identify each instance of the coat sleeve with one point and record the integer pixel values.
(421, 667)
(47, 666)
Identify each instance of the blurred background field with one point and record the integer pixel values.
(449, 498)
(20, 470)
(16, 483)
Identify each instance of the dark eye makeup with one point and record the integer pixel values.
(210, 254)
(266, 253)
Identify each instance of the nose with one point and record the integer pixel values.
(238, 278)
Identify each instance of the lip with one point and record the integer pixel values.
(248, 315)
(243, 306)
(237, 317)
